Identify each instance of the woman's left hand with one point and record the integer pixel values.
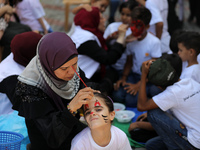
(81, 98)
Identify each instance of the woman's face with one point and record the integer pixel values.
(97, 114)
(102, 21)
(101, 4)
(126, 15)
(66, 72)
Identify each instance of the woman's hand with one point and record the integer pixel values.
(122, 29)
(9, 9)
(122, 33)
(132, 38)
(82, 97)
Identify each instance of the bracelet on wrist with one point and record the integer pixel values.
(72, 112)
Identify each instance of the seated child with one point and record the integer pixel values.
(100, 134)
(146, 47)
(189, 49)
(111, 32)
(32, 13)
(179, 129)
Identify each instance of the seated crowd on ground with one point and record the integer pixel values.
(52, 79)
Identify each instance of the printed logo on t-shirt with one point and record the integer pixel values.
(146, 54)
(186, 98)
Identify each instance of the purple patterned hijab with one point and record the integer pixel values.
(53, 50)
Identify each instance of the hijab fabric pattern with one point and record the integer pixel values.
(37, 74)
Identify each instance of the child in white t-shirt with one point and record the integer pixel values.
(158, 23)
(111, 32)
(146, 47)
(189, 49)
(31, 13)
(100, 134)
(174, 113)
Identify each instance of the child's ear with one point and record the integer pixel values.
(192, 51)
(112, 115)
(147, 27)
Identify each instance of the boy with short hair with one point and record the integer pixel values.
(189, 49)
(179, 129)
(146, 47)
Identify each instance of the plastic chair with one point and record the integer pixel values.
(67, 5)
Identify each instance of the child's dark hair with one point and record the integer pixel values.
(190, 39)
(108, 101)
(141, 13)
(175, 62)
(173, 44)
(129, 4)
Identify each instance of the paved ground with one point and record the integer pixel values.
(55, 15)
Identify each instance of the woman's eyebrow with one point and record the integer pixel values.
(68, 66)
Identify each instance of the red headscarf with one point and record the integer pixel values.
(23, 47)
(90, 21)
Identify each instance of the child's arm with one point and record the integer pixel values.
(159, 29)
(143, 102)
(82, 6)
(43, 26)
(141, 125)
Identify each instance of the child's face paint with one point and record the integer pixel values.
(97, 113)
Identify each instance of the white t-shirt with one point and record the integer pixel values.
(8, 67)
(183, 100)
(113, 27)
(87, 64)
(84, 141)
(148, 48)
(29, 11)
(191, 72)
(159, 11)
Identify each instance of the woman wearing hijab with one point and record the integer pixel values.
(91, 46)
(23, 49)
(48, 94)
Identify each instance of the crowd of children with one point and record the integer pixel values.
(135, 62)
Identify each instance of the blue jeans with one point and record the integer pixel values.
(129, 100)
(172, 133)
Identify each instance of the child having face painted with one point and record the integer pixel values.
(100, 133)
